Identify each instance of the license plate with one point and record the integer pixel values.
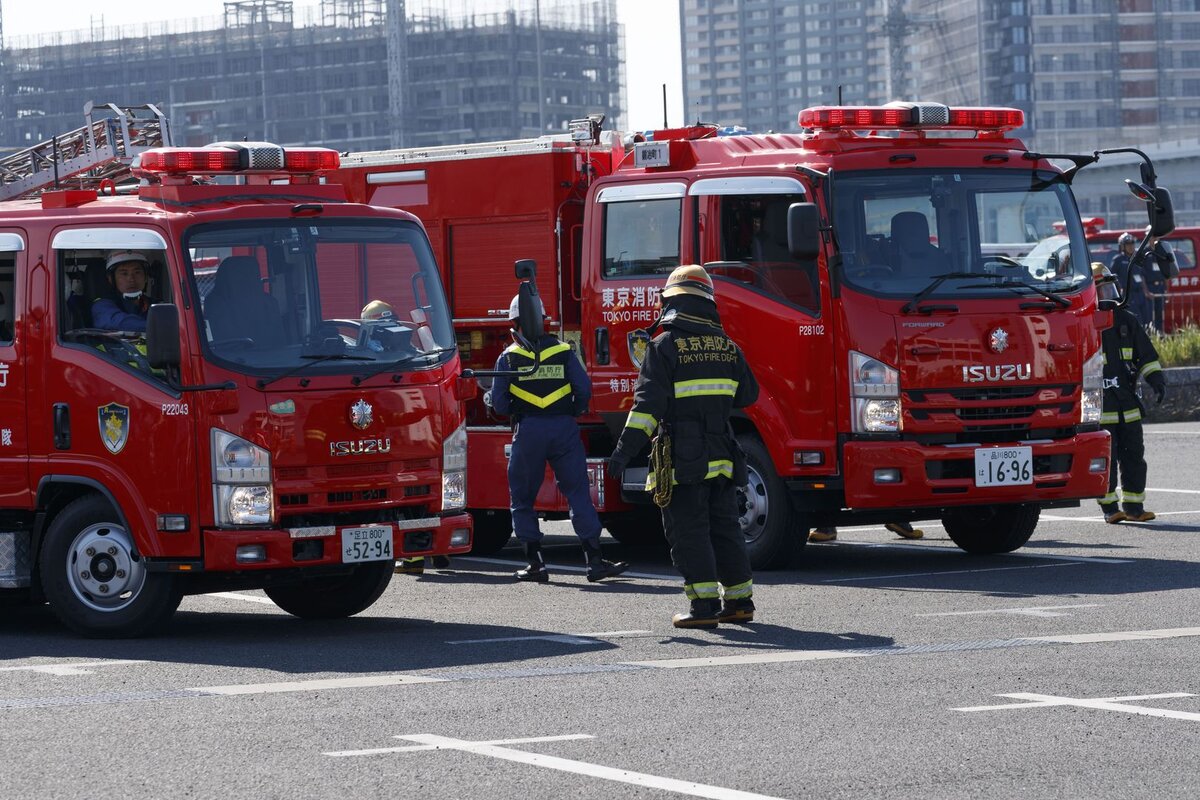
(1003, 466)
(368, 543)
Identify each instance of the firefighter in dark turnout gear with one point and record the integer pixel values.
(1128, 357)
(543, 407)
(691, 378)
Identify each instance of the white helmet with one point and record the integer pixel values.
(514, 308)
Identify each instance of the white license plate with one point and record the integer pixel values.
(368, 543)
(1003, 466)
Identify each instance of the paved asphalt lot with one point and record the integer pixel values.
(879, 668)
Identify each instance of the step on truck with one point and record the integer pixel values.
(257, 430)
(908, 371)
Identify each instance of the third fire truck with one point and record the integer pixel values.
(908, 371)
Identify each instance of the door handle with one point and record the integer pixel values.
(602, 346)
(62, 426)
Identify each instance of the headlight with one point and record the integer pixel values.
(1092, 402)
(875, 389)
(241, 481)
(454, 470)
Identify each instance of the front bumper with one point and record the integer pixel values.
(321, 546)
(937, 475)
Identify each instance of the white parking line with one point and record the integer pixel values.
(318, 684)
(570, 568)
(562, 638)
(77, 668)
(249, 598)
(1099, 703)
(1176, 491)
(1032, 611)
(584, 768)
(956, 552)
(413, 748)
(941, 572)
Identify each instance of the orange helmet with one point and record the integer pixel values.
(690, 279)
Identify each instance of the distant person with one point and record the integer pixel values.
(1128, 357)
(127, 274)
(1158, 267)
(901, 529)
(1131, 279)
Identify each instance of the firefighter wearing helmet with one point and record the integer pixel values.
(128, 304)
(1128, 357)
(543, 407)
(1123, 267)
(691, 379)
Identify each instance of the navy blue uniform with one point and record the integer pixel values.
(543, 407)
(121, 314)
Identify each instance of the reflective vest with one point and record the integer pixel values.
(1128, 356)
(546, 391)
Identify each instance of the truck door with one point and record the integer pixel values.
(14, 438)
(775, 307)
(117, 421)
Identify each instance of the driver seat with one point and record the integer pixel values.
(238, 308)
(912, 253)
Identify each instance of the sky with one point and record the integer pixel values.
(651, 39)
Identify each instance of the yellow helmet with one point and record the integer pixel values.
(1106, 282)
(376, 309)
(690, 279)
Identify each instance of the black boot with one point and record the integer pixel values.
(704, 614)
(597, 568)
(536, 569)
(740, 611)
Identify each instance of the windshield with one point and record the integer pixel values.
(326, 297)
(898, 230)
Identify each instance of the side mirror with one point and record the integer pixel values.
(1108, 305)
(162, 336)
(804, 231)
(525, 269)
(530, 320)
(1162, 213)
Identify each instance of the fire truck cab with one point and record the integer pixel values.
(909, 368)
(253, 428)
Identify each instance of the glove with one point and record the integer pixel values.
(616, 465)
(1159, 386)
(487, 398)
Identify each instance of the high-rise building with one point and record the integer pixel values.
(350, 74)
(759, 62)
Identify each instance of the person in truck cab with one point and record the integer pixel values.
(543, 407)
(126, 311)
(691, 379)
(1128, 357)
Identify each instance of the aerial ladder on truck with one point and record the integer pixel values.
(102, 150)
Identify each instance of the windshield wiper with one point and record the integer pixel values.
(312, 361)
(392, 365)
(937, 281)
(1061, 302)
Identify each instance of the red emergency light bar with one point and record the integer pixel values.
(896, 116)
(258, 158)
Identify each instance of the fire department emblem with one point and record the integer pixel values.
(360, 415)
(998, 340)
(114, 426)
(638, 340)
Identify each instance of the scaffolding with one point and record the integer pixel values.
(350, 74)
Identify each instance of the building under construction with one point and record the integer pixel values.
(350, 74)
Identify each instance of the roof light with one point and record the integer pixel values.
(180, 161)
(310, 159)
(911, 116)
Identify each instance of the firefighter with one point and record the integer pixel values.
(1122, 265)
(1128, 356)
(126, 272)
(691, 378)
(543, 407)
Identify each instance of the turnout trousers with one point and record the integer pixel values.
(707, 547)
(1129, 454)
(553, 439)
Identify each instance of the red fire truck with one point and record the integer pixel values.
(259, 433)
(908, 371)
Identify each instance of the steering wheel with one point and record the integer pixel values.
(115, 344)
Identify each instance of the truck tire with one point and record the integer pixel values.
(334, 598)
(769, 523)
(639, 528)
(493, 528)
(95, 580)
(992, 529)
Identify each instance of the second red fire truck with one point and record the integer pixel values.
(908, 370)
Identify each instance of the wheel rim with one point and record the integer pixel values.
(101, 568)
(753, 505)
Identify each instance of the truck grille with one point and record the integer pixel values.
(988, 414)
(964, 468)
